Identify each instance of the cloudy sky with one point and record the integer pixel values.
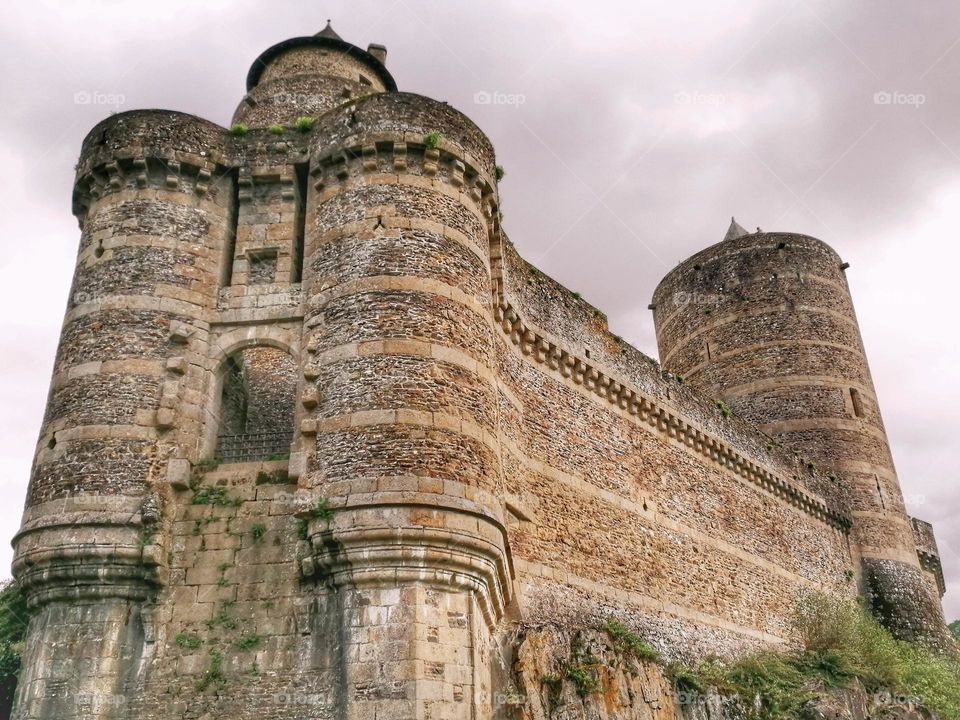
(630, 133)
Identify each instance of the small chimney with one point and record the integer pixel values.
(379, 52)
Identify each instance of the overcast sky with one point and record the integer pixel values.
(630, 133)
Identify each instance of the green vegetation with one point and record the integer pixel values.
(216, 495)
(247, 641)
(213, 675)
(223, 618)
(239, 129)
(431, 139)
(724, 410)
(629, 642)
(840, 642)
(277, 129)
(258, 530)
(584, 678)
(274, 477)
(303, 529)
(321, 509)
(304, 124)
(208, 464)
(499, 172)
(189, 640)
(955, 630)
(13, 628)
(554, 685)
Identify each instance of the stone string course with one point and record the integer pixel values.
(472, 452)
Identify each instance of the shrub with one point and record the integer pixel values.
(188, 640)
(584, 679)
(499, 172)
(554, 685)
(13, 629)
(214, 495)
(431, 139)
(258, 530)
(213, 674)
(629, 642)
(955, 630)
(277, 129)
(839, 642)
(304, 124)
(321, 509)
(239, 129)
(685, 678)
(770, 686)
(247, 641)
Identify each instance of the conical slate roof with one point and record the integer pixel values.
(328, 32)
(734, 231)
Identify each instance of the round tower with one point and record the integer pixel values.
(91, 553)
(764, 322)
(400, 340)
(307, 76)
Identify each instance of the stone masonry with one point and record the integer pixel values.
(318, 439)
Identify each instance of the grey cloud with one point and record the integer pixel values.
(643, 127)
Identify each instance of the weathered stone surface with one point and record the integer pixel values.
(319, 443)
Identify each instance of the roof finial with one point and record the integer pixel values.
(328, 32)
(735, 230)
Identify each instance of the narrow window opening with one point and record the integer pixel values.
(230, 241)
(880, 493)
(365, 80)
(587, 352)
(856, 402)
(257, 406)
(299, 228)
(707, 346)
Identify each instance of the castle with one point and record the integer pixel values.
(318, 440)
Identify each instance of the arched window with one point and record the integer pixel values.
(257, 405)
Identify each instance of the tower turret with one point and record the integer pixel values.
(397, 284)
(764, 322)
(153, 206)
(306, 76)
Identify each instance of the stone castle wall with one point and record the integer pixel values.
(469, 448)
